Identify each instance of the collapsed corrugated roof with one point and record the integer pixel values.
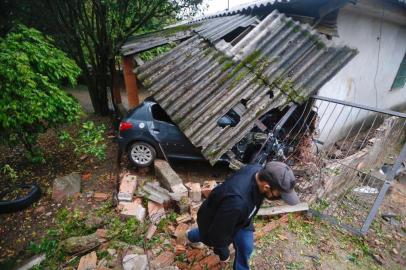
(212, 29)
(279, 61)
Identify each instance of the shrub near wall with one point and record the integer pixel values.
(31, 99)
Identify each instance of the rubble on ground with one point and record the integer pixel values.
(66, 186)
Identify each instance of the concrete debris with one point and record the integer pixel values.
(88, 262)
(195, 191)
(135, 262)
(169, 178)
(184, 218)
(80, 243)
(155, 212)
(150, 232)
(31, 263)
(133, 209)
(271, 211)
(207, 187)
(165, 259)
(155, 193)
(366, 190)
(93, 222)
(127, 187)
(66, 186)
(183, 205)
(112, 251)
(101, 233)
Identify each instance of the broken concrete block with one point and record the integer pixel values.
(135, 262)
(155, 193)
(150, 232)
(66, 186)
(183, 205)
(133, 209)
(127, 187)
(168, 177)
(79, 243)
(195, 192)
(31, 263)
(207, 187)
(165, 259)
(156, 212)
(92, 222)
(88, 262)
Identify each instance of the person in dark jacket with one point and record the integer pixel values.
(225, 217)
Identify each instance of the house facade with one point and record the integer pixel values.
(376, 76)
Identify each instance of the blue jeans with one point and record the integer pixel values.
(243, 245)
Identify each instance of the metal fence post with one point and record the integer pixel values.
(378, 201)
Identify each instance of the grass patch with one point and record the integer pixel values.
(303, 229)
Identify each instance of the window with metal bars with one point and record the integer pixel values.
(400, 79)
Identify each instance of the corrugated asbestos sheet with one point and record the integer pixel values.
(279, 61)
(249, 7)
(212, 29)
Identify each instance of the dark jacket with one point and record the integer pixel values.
(229, 208)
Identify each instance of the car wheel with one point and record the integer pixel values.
(141, 154)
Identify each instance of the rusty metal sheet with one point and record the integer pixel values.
(278, 62)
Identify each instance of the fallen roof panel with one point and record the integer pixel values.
(279, 61)
(211, 29)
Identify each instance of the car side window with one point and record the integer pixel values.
(159, 114)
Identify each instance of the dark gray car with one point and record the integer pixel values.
(147, 132)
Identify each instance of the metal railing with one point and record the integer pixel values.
(338, 152)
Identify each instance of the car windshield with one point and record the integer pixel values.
(160, 115)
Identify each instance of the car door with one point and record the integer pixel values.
(172, 140)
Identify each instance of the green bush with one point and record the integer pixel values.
(31, 99)
(89, 140)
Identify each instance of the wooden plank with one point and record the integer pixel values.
(270, 211)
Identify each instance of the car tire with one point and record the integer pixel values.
(141, 154)
(19, 203)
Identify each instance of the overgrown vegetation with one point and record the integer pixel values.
(89, 141)
(93, 31)
(32, 71)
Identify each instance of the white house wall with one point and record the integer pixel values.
(368, 78)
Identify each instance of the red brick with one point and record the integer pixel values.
(88, 261)
(127, 187)
(100, 196)
(209, 262)
(208, 186)
(182, 265)
(165, 259)
(180, 249)
(194, 255)
(133, 209)
(156, 212)
(180, 233)
(86, 176)
(101, 233)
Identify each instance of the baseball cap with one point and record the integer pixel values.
(283, 177)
